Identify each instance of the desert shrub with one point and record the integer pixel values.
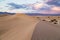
(43, 20)
(55, 23)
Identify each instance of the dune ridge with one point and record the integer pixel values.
(17, 27)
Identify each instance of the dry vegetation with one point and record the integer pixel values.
(52, 19)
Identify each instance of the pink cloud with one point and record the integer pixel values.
(55, 9)
(38, 5)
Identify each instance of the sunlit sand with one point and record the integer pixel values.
(17, 27)
(21, 26)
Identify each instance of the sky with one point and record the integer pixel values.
(30, 6)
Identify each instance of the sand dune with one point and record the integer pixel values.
(23, 27)
(17, 27)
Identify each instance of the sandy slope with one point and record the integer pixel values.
(17, 27)
(46, 31)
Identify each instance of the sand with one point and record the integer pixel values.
(17, 27)
(24, 27)
(46, 31)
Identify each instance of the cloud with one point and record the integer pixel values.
(41, 8)
(38, 5)
(16, 6)
(55, 8)
(54, 2)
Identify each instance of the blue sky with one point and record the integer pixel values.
(30, 6)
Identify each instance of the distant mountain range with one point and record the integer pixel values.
(38, 14)
(32, 14)
(7, 13)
